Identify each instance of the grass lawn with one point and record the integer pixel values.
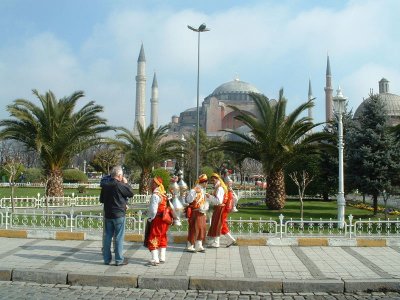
(312, 209)
(5, 192)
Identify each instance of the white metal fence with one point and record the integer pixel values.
(63, 202)
(28, 215)
(65, 185)
(135, 223)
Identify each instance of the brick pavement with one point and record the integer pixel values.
(259, 269)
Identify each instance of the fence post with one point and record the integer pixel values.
(38, 203)
(139, 214)
(350, 225)
(281, 224)
(7, 217)
(71, 220)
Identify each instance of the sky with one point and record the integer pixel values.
(93, 45)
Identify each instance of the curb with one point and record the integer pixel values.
(94, 279)
(201, 283)
(236, 284)
(313, 285)
(376, 285)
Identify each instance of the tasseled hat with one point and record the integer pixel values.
(221, 182)
(158, 180)
(202, 178)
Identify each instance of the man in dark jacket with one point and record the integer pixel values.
(114, 194)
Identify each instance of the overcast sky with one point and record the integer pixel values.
(93, 45)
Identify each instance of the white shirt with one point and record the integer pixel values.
(219, 196)
(153, 207)
(191, 196)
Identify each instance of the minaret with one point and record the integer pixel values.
(154, 102)
(328, 93)
(140, 91)
(310, 97)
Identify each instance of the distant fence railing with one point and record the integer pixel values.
(136, 222)
(65, 185)
(64, 202)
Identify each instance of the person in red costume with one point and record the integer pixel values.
(196, 214)
(156, 237)
(229, 207)
(220, 199)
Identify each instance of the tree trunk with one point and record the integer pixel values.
(301, 208)
(275, 193)
(144, 182)
(12, 198)
(375, 203)
(325, 196)
(55, 184)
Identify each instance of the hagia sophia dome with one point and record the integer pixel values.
(215, 113)
(391, 102)
(235, 90)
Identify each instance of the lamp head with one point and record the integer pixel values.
(339, 101)
(201, 28)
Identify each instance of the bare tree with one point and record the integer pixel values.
(302, 180)
(106, 158)
(13, 168)
(251, 167)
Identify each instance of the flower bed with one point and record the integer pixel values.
(389, 210)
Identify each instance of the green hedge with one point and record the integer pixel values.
(74, 176)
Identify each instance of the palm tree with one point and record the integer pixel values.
(275, 140)
(55, 131)
(147, 149)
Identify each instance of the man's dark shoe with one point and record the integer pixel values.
(123, 263)
(107, 263)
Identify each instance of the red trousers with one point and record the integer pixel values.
(157, 234)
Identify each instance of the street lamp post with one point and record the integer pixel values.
(202, 28)
(339, 103)
(183, 161)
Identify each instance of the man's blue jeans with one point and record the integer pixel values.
(116, 228)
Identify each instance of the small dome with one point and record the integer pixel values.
(234, 87)
(391, 102)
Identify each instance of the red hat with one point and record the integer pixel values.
(203, 178)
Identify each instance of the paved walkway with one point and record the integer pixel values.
(273, 269)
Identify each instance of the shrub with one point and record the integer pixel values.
(81, 189)
(207, 170)
(33, 175)
(74, 176)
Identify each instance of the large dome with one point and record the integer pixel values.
(234, 87)
(391, 102)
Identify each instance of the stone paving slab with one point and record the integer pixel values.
(283, 268)
(5, 274)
